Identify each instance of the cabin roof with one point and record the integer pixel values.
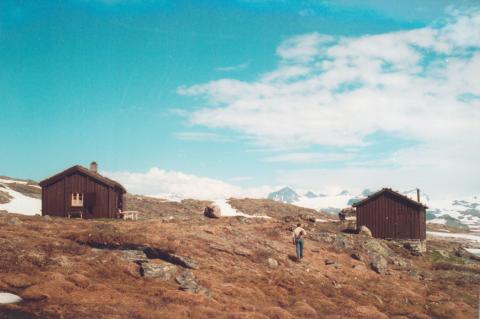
(391, 192)
(80, 169)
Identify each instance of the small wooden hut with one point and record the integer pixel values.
(391, 215)
(83, 192)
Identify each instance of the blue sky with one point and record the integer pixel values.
(223, 92)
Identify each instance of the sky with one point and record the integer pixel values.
(209, 99)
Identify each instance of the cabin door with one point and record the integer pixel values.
(403, 223)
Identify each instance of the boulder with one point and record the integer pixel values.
(47, 217)
(342, 242)
(188, 282)
(136, 256)
(162, 271)
(415, 247)
(272, 263)
(212, 211)
(356, 256)
(400, 262)
(379, 264)
(364, 230)
(377, 247)
(325, 237)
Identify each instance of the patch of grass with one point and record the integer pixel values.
(436, 257)
(4, 197)
(456, 267)
(27, 190)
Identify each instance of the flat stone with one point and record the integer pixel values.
(163, 271)
(136, 256)
(242, 251)
(330, 262)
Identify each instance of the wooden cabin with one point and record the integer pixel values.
(391, 215)
(78, 191)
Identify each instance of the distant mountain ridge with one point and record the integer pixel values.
(285, 195)
(459, 212)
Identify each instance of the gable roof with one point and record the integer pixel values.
(82, 170)
(391, 192)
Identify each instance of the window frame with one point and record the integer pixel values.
(77, 200)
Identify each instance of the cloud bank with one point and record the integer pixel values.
(337, 91)
(176, 185)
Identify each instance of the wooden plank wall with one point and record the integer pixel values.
(389, 217)
(56, 198)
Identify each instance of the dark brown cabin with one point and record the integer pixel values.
(82, 191)
(391, 215)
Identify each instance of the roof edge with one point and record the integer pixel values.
(78, 168)
(392, 192)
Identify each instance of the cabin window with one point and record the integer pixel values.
(77, 200)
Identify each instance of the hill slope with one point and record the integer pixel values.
(195, 267)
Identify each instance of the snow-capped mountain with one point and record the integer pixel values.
(20, 196)
(458, 212)
(310, 194)
(286, 195)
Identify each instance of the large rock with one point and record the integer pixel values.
(377, 247)
(212, 211)
(364, 230)
(188, 282)
(162, 271)
(343, 242)
(272, 263)
(379, 264)
(136, 256)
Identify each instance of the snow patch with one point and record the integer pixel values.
(21, 204)
(474, 251)
(454, 235)
(11, 181)
(228, 211)
(6, 298)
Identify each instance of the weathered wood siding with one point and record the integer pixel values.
(100, 201)
(391, 217)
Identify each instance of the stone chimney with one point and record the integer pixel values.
(94, 167)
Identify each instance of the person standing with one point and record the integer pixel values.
(297, 237)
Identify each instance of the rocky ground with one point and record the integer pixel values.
(195, 267)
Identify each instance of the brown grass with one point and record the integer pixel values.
(52, 264)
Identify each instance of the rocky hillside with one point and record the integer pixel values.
(194, 267)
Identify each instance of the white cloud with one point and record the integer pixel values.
(230, 68)
(305, 157)
(177, 185)
(303, 48)
(200, 136)
(337, 91)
